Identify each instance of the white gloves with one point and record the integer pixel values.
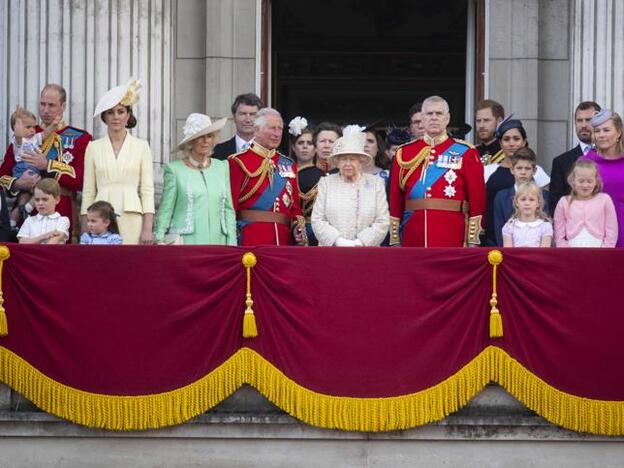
(342, 242)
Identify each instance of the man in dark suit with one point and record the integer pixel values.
(488, 114)
(562, 164)
(244, 110)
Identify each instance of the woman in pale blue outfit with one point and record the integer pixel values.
(196, 205)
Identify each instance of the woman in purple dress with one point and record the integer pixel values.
(609, 157)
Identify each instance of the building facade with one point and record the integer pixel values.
(538, 58)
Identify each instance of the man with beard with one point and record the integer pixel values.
(488, 115)
(563, 163)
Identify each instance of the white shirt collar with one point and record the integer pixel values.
(584, 147)
(535, 223)
(240, 142)
(50, 216)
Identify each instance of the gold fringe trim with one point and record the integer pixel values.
(563, 409)
(326, 411)
(120, 413)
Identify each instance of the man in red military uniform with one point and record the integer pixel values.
(264, 188)
(61, 155)
(437, 190)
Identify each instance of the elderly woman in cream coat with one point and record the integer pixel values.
(351, 207)
(118, 167)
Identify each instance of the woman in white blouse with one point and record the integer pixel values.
(351, 207)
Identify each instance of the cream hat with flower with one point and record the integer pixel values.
(351, 143)
(198, 125)
(126, 95)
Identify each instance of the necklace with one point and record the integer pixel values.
(197, 164)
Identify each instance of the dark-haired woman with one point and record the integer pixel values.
(303, 151)
(512, 136)
(376, 147)
(118, 167)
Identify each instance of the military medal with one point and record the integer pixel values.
(449, 191)
(450, 176)
(67, 157)
(287, 200)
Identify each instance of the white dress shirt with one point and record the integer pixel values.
(39, 224)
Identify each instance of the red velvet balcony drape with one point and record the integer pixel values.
(400, 335)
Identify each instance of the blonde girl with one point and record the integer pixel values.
(529, 226)
(586, 217)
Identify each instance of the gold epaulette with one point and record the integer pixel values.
(6, 181)
(234, 155)
(464, 142)
(53, 140)
(61, 168)
(497, 158)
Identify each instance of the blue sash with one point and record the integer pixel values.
(266, 200)
(434, 172)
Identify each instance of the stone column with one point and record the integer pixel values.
(513, 60)
(89, 47)
(598, 52)
(215, 57)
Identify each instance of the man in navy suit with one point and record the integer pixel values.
(562, 164)
(244, 110)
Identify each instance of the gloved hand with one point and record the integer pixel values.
(342, 242)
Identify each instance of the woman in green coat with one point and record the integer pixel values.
(196, 205)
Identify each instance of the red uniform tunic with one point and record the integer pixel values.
(264, 183)
(65, 151)
(429, 188)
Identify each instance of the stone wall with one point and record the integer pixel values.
(529, 70)
(547, 56)
(246, 430)
(215, 57)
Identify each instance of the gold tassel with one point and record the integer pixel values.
(4, 326)
(496, 324)
(250, 330)
(495, 257)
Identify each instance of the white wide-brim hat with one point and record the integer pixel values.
(198, 125)
(126, 95)
(353, 143)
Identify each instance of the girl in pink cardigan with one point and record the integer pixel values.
(586, 217)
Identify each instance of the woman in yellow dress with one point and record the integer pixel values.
(118, 167)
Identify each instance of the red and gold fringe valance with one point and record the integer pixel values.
(326, 411)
